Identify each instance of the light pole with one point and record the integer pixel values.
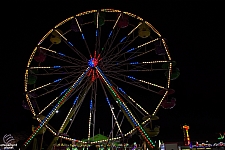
(112, 123)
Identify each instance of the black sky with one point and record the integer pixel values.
(195, 34)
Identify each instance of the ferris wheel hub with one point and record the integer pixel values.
(93, 62)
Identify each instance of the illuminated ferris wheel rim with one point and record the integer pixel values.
(68, 19)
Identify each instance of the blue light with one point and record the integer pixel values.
(96, 34)
(63, 92)
(132, 119)
(107, 80)
(82, 36)
(104, 76)
(134, 63)
(108, 101)
(75, 100)
(90, 62)
(57, 80)
(131, 49)
(131, 77)
(123, 39)
(82, 76)
(122, 91)
(70, 44)
(91, 104)
(57, 67)
(61, 54)
(110, 34)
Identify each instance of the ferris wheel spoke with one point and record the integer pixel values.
(108, 50)
(55, 88)
(55, 73)
(51, 103)
(114, 63)
(116, 47)
(130, 68)
(136, 67)
(111, 53)
(56, 70)
(78, 24)
(44, 85)
(72, 46)
(61, 56)
(130, 33)
(131, 101)
(111, 108)
(50, 91)
(118, 55)
(145, 82)
(111, 35)
(64, 81)
(57, 81)
(97, 39)
(123, 40)
(54, 67)
(132, 51)
(124, 79)
(126, 45)
(135, 70)
(138, 53)
(110, 40)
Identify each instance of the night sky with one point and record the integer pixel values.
(195, 35)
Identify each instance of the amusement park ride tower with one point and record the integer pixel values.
(186, 135)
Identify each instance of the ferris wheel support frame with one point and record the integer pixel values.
(58, 105)
(131, 119)
(70, 115)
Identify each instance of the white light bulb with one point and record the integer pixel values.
(56, 111)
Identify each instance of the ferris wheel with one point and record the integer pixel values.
(105, 65)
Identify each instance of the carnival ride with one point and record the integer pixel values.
(186, 135)
(85, 59)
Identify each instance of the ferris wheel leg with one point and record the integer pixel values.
(55, 139)
(127, 113)
(70, 115)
